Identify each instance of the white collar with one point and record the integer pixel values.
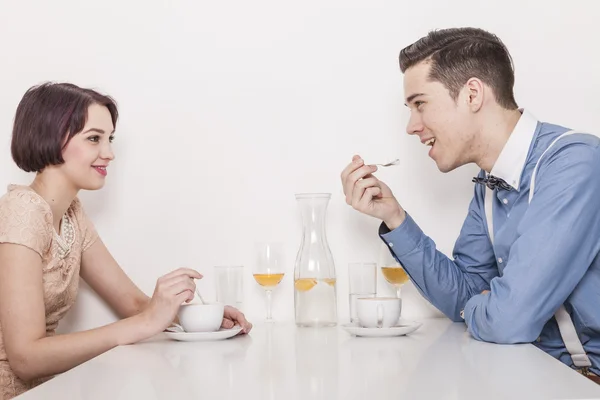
(511, 161)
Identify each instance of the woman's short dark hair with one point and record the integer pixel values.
(47, 117)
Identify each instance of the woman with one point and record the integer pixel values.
(64, 134)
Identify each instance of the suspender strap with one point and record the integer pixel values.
(563, 319)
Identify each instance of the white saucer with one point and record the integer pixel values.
(403, 327)
(204, 336)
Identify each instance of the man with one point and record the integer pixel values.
(515, 267)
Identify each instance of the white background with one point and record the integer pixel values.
(230, 108)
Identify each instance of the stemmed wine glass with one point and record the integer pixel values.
(268, 270)
(392, 271)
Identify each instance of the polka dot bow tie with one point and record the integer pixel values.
(493, 182)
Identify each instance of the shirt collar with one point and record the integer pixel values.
(511, 161)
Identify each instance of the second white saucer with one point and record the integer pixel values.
(403, 327)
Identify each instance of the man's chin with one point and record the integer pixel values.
(445, 167)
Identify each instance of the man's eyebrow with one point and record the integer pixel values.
(413, 96)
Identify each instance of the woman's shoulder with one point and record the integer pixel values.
(22, 201)
(25, 218)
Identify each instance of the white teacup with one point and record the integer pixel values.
(196, 317)
(378, 312)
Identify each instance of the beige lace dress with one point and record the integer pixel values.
(26, 219)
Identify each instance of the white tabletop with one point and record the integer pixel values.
(280, 361)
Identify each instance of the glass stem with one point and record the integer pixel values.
(398, 292)
(269, 315)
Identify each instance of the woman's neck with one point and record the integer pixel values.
(57, 191)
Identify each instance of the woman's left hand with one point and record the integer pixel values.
(232, 316)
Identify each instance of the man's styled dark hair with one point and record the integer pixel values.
(47, 117)
(458, 54)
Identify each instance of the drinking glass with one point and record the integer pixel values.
(268, 270)
(392, 270)
(229, 285)
(362, 279)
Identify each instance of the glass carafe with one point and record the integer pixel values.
(314, 273)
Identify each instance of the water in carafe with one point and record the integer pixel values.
(314, 273)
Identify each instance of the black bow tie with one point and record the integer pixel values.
(492, 182)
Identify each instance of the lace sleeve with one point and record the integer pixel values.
(25, 220)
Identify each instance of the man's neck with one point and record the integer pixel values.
(496, 127)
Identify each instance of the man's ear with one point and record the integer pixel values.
(474, 94)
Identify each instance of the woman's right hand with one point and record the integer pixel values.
(170, 292)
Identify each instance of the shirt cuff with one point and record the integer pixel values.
(469, 309)
(404, 239)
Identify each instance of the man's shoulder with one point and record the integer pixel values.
(549, 132)
(559, 140)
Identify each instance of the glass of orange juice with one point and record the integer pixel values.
(268, 270)
(392, 270)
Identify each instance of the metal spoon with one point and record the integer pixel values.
(175, 328)
(200, 296)
(389, 164)
(198, 293)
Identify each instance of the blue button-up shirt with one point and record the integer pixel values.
(544, 253)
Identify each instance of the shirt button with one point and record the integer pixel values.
(505, 201)
(500, 260)
(391, 244)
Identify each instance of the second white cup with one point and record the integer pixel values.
(378, 312)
